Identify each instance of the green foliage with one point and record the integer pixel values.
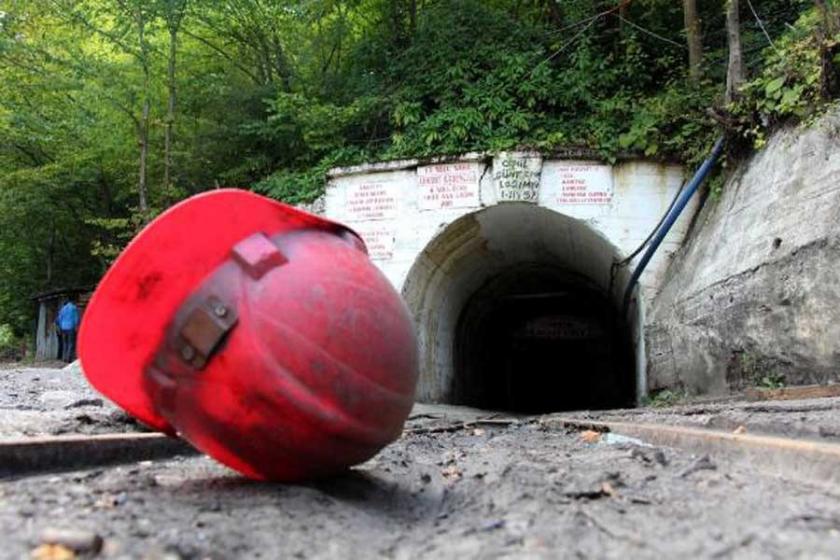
(7, 337)
(760, 374)
(774, 380)
(113, 234)
(11, 346)
(271, 94)
(463, 90)
(294, 186)
(479, 76)
(666, 397)
(788, 89)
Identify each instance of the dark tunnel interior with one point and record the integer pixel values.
(537, 339)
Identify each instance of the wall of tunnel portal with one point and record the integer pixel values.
(505, 263)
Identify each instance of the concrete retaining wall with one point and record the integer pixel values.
(756, 290)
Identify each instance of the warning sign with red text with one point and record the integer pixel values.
(449, 185)
(583, 184)
(379, 239)
(372, 200)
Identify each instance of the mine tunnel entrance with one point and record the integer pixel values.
(516, 309)
(537, 339)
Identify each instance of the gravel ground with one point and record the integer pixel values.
(516, 491)
(505, 487)
(55, 400)
(58, 400)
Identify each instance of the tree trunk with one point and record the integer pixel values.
(695, 43)
(829, 49)
(831, 19)
(170, 115)
(143, 126)
(50, 254)
(735, 68)
(143, 137)
(412, 18)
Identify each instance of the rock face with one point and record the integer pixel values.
(755, 291)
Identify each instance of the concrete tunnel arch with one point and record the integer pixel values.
(517, 308)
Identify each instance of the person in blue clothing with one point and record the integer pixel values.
(67, 323)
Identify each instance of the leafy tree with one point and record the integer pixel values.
(112, 110)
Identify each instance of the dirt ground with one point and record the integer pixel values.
(507, 488)
(55, 400)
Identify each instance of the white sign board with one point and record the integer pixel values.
(449, 185)
(517, 177)
(372, 200)
(582, 183)
(379, 237)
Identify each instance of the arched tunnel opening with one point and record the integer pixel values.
(517, 308)
(539, 339)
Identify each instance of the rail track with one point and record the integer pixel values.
(27, 456)
(800, 458)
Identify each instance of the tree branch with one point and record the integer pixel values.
(224, 55)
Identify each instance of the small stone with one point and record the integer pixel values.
(610, 438)
(607, 489)
(590, 436)
(492, 525)
(86, 402)
(162, 555)
(452, 473)
(704, 463)
(110, 501)
(53, 400)
(52, 552)
(78, 541)
(660, 457)
(74, 367)
(640, 500)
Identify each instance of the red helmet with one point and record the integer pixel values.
(261, 334)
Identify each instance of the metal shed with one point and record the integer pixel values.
(46, 336)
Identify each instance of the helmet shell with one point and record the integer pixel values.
(283, 353)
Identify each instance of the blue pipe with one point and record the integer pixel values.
(680, 205)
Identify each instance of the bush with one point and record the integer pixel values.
(792, 86)
(9, 344)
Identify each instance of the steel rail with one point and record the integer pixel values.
(807, 460)
(814, 462)
(28, 456)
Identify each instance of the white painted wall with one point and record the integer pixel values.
(637, 194)
(412, 217)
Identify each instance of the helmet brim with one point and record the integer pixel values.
(127, 317)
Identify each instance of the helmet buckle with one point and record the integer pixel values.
(203, 331)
